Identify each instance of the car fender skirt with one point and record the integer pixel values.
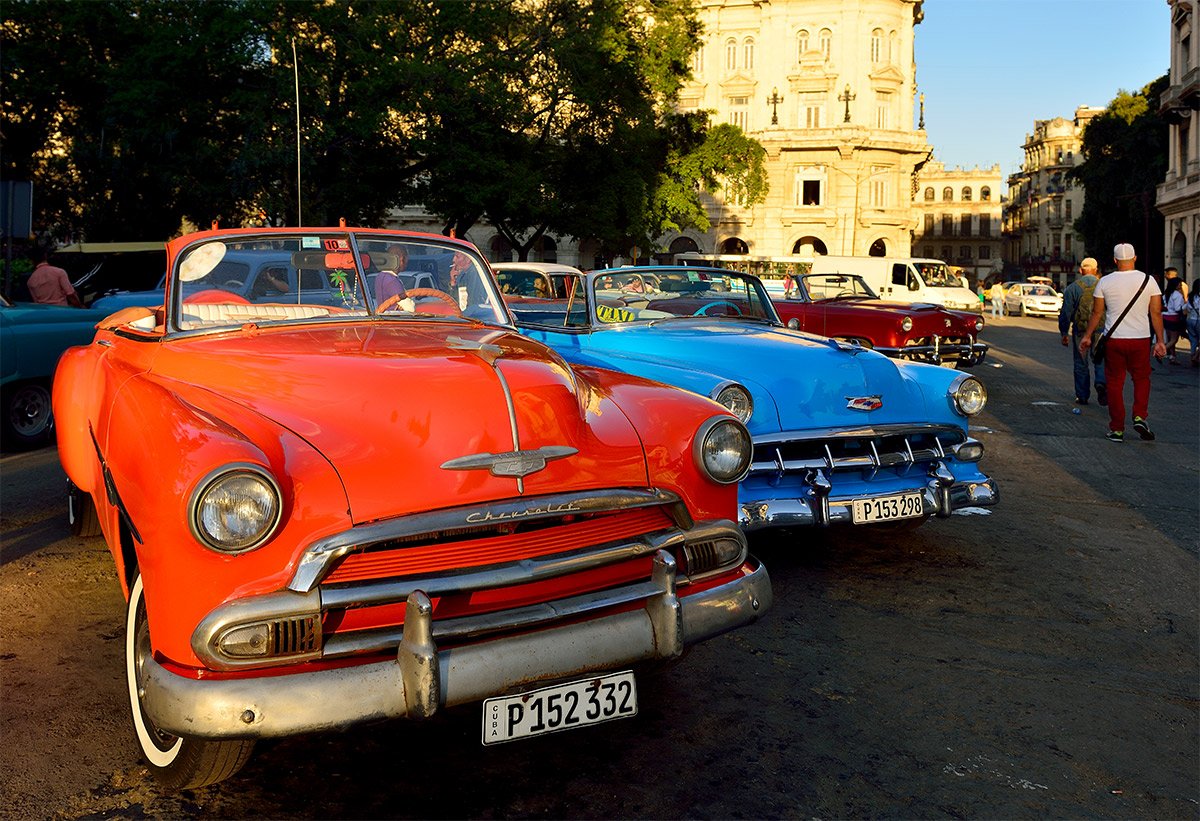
(421, 678)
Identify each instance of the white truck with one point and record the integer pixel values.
(905, 279)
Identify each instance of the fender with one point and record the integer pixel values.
(150, 417)
(675, 417)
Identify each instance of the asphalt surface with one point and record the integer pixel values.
(1039, 660)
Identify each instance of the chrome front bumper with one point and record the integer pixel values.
(423, 678)
(938, 499)
(966, 355)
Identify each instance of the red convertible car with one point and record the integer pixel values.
(843, 306)
(341, 504)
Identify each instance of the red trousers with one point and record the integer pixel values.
(1122, 356)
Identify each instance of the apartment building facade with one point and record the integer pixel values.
(1178, 195)
(1043, 202)
(959, 219)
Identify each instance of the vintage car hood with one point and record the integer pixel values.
(811, 380)
(389, 403)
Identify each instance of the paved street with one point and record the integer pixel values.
(1039, 660)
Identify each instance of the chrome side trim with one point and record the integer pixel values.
(318, 558)
(333, 699)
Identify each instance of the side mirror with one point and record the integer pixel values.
(913, 285)
(794, 324)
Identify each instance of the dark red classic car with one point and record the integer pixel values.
(843, 306)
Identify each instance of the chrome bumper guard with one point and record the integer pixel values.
(423, 678)
(964, 354)
(940, 497)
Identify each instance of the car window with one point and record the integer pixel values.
(682, 292)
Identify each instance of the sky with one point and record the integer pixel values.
(989, 68)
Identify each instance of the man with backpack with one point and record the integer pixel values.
(1073, 320)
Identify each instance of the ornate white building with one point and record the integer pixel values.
(827, 87)
(1043, 203)
(959, 219)
(1178, 196)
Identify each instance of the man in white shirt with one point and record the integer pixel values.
(1128, 346)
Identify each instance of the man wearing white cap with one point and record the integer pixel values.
(1130, 303)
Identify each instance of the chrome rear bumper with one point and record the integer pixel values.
(423, 678)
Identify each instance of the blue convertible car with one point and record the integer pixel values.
(841, 433)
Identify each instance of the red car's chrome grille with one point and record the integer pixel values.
(398, 560)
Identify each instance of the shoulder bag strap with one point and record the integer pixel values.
(1142, 287)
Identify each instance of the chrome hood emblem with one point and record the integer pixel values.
(864, 403)
(517, 463)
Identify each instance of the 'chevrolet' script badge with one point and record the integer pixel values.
(517, 463)
(864, 403)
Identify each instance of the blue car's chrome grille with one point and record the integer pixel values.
(864, 448)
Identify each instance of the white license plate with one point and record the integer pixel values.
(561, 707)
(887, 508)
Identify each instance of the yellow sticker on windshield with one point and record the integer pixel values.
(609, 314)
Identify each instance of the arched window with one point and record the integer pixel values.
(947, 194)
(893, 55)
(929, 194)
(748, 54)
(734, 245)
(499, 250)
(878, 249)
(682, 245)
(730, 54)
(825, 42)
(698, 61)
(876, 46)
(801, 43)
(546, 250)
(985, 194)
(806, 246)
(966, 195)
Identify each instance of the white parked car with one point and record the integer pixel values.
(1032, 299)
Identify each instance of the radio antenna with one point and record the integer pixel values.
(296, 72)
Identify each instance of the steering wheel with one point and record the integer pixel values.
(841, 294)
(419, 292)
(719, 303)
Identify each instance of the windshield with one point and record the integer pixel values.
(238, 280)
(936, 274)
(1039, 290)
(835, 286)
(561, 299)
(666, 293)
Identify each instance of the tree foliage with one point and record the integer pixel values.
(131, 116)
(1125, 156)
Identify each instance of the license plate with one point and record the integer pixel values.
(887, 508)
(561, 707)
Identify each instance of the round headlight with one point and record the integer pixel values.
(236, 509)
(968, 396)
(738, 400)
(978, 324)
(723, 450)
(906, 324)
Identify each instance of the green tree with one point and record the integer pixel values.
(1125, 156)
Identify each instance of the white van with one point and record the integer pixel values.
(905, 279)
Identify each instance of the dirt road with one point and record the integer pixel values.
(1039, 661)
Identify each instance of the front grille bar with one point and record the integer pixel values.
(772, 447)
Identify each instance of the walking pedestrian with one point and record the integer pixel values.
(1073, 319)
(1174, 322)
(1130, 302)
(1192, 307)
(997, 293)
(49, 284)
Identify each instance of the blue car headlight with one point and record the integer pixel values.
(967, 395)
(737, 399)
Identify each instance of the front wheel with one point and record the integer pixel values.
(81, 512)
(178, 763)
